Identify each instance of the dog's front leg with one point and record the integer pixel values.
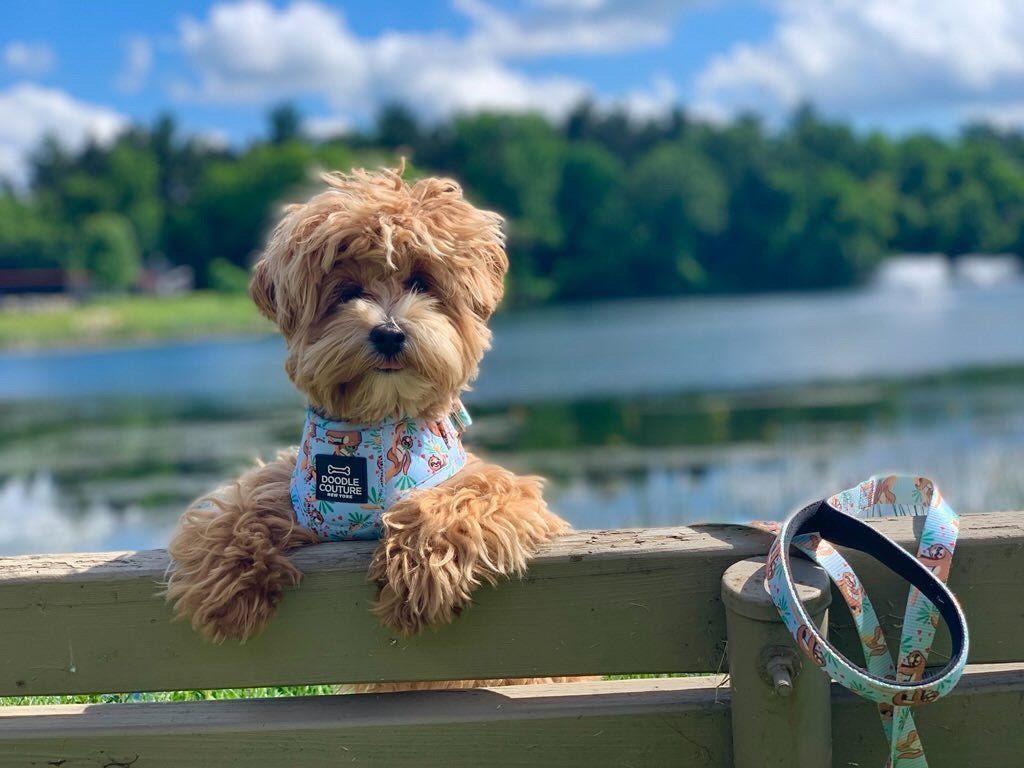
(229, 563)
(442, 542)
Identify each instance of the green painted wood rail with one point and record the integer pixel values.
(593, 603)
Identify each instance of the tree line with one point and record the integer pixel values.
(598, 206)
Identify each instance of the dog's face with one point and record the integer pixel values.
(382, 291)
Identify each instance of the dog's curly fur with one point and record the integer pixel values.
(370, 249)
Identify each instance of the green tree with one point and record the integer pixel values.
(601, 205)
(233, 203)
(624, 136)
(923, 175)
(27, 238)
(397, 126)
(285, 123)
(514, 164)
(597, 224)
(751, 252)
(108, 251)
(837, 229)
(227, 277)
(123, 178)
(679, 200)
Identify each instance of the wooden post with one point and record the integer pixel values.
(781, 713)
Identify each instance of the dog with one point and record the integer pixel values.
(382, 290)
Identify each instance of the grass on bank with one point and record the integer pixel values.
(116, 319)
(228, 693)
(126, 698)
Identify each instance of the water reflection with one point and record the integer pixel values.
(100, 473)
(36, 517)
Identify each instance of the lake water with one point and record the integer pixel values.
(640, 413)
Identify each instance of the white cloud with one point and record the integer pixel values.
(658, 99)
(326, 127)
(213, 139)
(33, 59)
(874, 56)
(251, 51)
(254, 52)
(571, 27)
(1007, 115)
(138, 60)
(439, 80)
(28, 112)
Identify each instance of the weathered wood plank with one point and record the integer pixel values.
(980, 724)
(663, 723)
(611, 602)
(638, 723)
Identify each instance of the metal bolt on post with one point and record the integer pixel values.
(781, 713)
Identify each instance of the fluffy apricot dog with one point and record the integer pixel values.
(382, 290)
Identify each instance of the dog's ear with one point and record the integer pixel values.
(261, 289)
(489, 286)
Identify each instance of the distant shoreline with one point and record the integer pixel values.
(119, 321)
(58, 323)
(100, 345)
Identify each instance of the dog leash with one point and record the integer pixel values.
(896, 686)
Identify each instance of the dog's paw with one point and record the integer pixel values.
(243, 610)
(227, 580)
(418, 588)
(443, 542)
(229, 562)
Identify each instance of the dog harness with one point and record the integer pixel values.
(347, 475)
(895, 685)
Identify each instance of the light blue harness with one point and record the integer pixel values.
(347, 475)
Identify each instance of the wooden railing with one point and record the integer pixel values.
(594, 603)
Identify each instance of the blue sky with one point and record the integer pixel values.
(82, 69)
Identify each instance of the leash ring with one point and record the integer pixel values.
(845, 530)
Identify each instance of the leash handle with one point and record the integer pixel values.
(839, 520)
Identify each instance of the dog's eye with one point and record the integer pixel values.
(349, 292)
(418, 284)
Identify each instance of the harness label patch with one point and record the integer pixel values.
(341, 478)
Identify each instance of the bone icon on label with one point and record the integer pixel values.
(333, 470)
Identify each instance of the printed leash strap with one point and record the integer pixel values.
(895, 686)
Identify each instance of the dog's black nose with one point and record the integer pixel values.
(387, 338)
